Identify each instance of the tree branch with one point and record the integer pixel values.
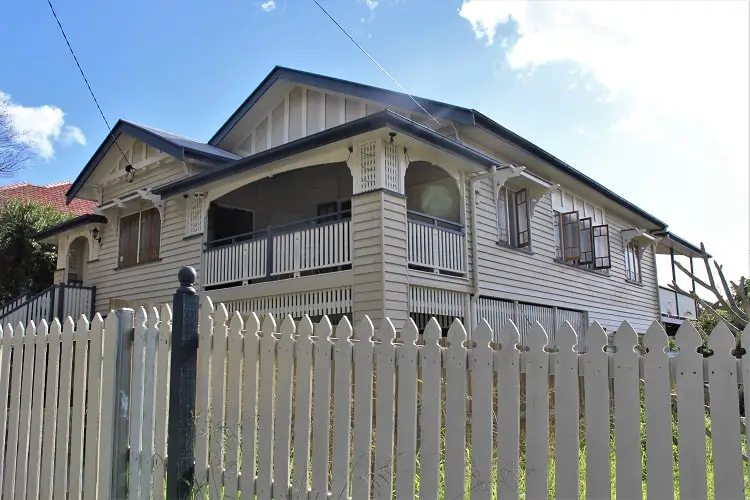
(728, 292)
(710, 287)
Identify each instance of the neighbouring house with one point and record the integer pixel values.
(50, 194)
(324, 196)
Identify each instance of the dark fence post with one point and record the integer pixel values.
(181, 431)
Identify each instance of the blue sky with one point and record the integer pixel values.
(649, 98)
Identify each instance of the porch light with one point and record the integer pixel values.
(96, 235)
(130, 172)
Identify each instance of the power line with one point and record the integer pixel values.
(70, 48)
(350, 37)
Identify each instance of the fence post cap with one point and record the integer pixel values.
(187, 276)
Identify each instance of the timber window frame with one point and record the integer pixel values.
(513, 218)
(579, 242)
(139, 238)
(633, 257)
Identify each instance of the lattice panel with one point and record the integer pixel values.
(393, 177)
(367, 166)
(194, 216)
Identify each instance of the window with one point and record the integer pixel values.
(579, 242)
(334, 210)
(633, 262)
(513, 221)
(140, 236)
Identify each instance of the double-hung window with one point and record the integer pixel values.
(513, 220)
(139, 239)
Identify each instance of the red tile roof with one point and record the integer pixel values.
(51, 194)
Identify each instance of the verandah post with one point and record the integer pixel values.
(181, 428)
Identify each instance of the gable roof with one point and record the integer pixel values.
(50, 194)
(438, 109)
(177, 146)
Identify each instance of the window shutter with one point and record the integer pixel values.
(150, 235)
(600, 236)
(523, 229)
(128, 240)
(587, 242)
(502, 216)
(194, 215)
(570, 230)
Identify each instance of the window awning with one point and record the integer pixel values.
(640, 237)
(668, 242)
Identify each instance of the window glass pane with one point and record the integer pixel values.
(502, 216)
(571, 237)
(601, 247)
(557, 235)
(523, 232)
(587, 250)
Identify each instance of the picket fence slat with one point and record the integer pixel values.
(658, 402)
(537, 413)
(81, 337)
(507, 366)
(266, 389)
(29, 348)
(37, 409)
(385, 395)
(136, 404)
(303, 399)
(218, 403)
(93, 408)
(725, 419)
(362, 433)
(430, 364)
(149, 402)
(283, 416)
(596, 411)
(691, 431)
(321, 408)
(7, 354)
(342, 366)
(234, 406)
(481, 412)
(63, 410)
(627, 414)
(202, 401)
(455, 411)
(249, 405)
(161, 403)
(14, 417)
(566, 412)
(406, 425)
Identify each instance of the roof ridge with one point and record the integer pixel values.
(16, 185)
(57, 184)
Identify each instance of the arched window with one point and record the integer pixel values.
(430, 190)
(77, 256)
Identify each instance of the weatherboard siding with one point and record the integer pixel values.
(535, 277)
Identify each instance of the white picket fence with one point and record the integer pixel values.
(304, 411)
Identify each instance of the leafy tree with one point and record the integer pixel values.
(25, 264)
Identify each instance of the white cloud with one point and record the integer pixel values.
(372, 4)
(41, 127)
(676, 59)
(268, 6)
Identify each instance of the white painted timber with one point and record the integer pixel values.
(537, 413)
(5, 363)
(691, 431)
(63, 411)
(321, 409)
(266, 388)
(507, 368)
(251, 344)
(596, 410)
(406, 424)
(725, 416)
(481, 412)
(202, 401)
(50, 412)
(136, 404)
(658, 401)
(362, 433)
(385, 395)
(218, 403)
(430, 357)
(436, 248)
(342, 366)
(234, 407)
(37, 406)
(161, 405)
(455, 411)
(29, 347)
(151, 344)
(283, 416)
(81, 337)
(302, 401)
(566, 412)
(627, 414)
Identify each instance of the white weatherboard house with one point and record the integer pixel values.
(324, 196)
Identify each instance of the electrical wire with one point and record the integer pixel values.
(350, 37)
(80, 69)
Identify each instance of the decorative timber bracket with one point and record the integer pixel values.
(156, 199)
(640, 237)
